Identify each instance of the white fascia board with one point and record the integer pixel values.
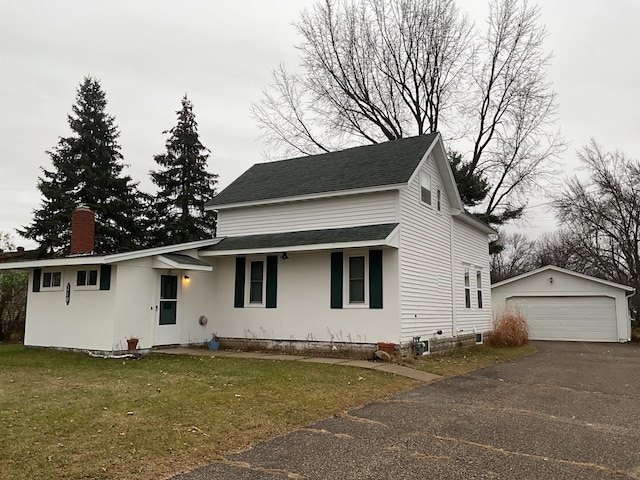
(315, 196)
(101, 259)
(568, 272)
(160, 262)
(301, 248)
(54, 262)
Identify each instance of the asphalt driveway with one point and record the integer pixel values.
(570, 411)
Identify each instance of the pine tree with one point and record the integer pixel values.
(184, 184)
(87, 170)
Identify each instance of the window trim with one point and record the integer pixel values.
(247, 283)
(51, 288)
(346, 280)
(439, 199)
(479, 290)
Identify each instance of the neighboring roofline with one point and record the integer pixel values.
(473, 221)
(568, 272)
(390, 240)
(313, 196)
(104, 259)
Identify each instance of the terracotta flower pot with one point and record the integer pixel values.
(132, 343)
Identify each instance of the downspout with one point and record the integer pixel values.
(453, 274)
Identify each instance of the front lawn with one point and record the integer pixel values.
(67, 415)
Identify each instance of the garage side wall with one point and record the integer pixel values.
(551, 283)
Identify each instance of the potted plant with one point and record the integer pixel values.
(214, 343)
(132, 343)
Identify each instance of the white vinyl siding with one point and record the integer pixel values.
(336, 212)
(425, 264)
(471, 251)
(569, 318)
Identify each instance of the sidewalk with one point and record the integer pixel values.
(381, 366)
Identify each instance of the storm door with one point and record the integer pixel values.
(167, 329)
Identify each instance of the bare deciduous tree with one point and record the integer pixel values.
(379, 70)
(603, 214)
(514, 258)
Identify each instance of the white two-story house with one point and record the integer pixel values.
(364, 245)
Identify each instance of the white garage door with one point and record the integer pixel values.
(586, 319)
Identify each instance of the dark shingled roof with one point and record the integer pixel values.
(388, 163)
(270, 241)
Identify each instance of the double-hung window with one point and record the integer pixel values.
(256, 281)
(467, 288)
(425, 188)
(357, 279)
(479, 287)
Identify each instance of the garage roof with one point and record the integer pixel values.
(553, 268)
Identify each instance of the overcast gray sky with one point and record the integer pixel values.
(148, 53)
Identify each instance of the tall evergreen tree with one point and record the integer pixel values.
(87, 170)
(184, 184)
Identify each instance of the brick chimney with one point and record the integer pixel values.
(82, 230)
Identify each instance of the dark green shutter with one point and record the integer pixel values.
(272, 281)
(105, 277)
(36, 279)
(336, 280)
(375, 279)
(238, 299)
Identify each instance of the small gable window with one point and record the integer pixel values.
(479, 287)
(52, 280)
(439, 199)
(87, 278)
(425, 188)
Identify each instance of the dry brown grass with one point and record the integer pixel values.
(510, 329)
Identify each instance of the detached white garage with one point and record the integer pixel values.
(563, 305)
